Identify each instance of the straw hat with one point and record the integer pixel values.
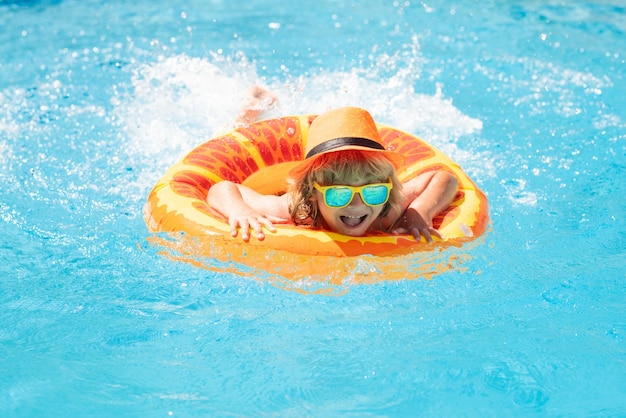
(346, 128)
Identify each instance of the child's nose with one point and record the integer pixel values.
(356, 200)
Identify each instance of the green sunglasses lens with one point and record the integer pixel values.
(375, 195)
(338, 196)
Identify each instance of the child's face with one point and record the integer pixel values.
(353, 220)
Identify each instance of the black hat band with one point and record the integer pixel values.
(341, 142)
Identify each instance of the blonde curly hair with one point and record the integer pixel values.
(340, 167)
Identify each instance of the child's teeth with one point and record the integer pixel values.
(352, 220)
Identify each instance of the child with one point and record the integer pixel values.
(347, 183)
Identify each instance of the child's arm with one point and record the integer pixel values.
(246, 209)
(425, 197)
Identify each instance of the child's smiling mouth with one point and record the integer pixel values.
(352, 221)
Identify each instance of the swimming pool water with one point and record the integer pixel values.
(98, 98)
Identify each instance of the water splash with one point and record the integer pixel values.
(178, 102)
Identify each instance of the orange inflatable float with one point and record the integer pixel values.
(259, 155)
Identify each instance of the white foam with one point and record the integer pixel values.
(385, 88)
(517, 193)
(178, 102)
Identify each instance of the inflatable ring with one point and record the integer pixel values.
(259, 156)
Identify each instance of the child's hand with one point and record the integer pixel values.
(250, 219)
(413, 223)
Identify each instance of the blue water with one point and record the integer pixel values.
(97, 99)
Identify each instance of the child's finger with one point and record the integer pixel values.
(277, 220)
(268, 224)
(234, 224)
(255, 224)
(245, 230)
(437, 233)
(418, 233)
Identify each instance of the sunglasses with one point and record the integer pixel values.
(339, 196)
